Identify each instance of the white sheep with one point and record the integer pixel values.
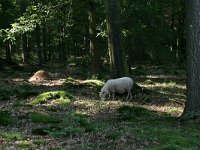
(120, 85)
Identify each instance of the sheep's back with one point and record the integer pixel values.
(122, 85)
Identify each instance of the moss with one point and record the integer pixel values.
(60, 97)
(41, 118)
(24, 145)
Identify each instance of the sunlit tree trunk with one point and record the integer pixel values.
(117, 62)
(192, 106)
(8, 49)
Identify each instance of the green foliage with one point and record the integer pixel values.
(169, 147)
(6, 118)
(41, 118)
(127, 113)
(12, 136)
(24, 145)
(39, 142)
(74, 124)
(59, 97)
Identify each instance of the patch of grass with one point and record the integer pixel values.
(6, 118)
(128, 113)
(169, 147)
(148, 81)
(75, 124)
(39, 142)
(13, 136)
(167, 134)
(5, 94)
(138, 71)
(170, 84)
(60, 97)
(57, 148)
(41, 118)
(22, 91)
(24, 145)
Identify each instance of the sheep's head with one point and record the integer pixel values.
(102, 94)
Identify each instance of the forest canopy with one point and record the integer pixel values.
(152, 31)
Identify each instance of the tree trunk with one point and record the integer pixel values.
(39, 49)
(95, 59)
(117, 62)
(8, 53)
(25, 53)
(44, 40)
(192, 106)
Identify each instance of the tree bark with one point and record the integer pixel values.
(8, 53)
(95, 59)
(25, 50)
(192, 106)
(117, 62)
(39, 49)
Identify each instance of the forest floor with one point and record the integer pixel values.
(65, 112)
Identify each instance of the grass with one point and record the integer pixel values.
(6, 118)
(21, 92)
(41, 118)
(12, 136)
(74, 124)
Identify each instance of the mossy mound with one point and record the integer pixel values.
(71, 82)
(56, 97)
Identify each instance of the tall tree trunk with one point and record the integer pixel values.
(44, 40)
(8, 52)
(95, 58)
(50, 49)
(62, 52)
(25, 54)
(192, 105)
(39, 49)
(117, 62)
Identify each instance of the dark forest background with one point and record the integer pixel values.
(40, 32)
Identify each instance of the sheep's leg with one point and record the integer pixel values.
(108, 96)
(129, 95)
(113, 96)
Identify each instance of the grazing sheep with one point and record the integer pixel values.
(120, 85)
